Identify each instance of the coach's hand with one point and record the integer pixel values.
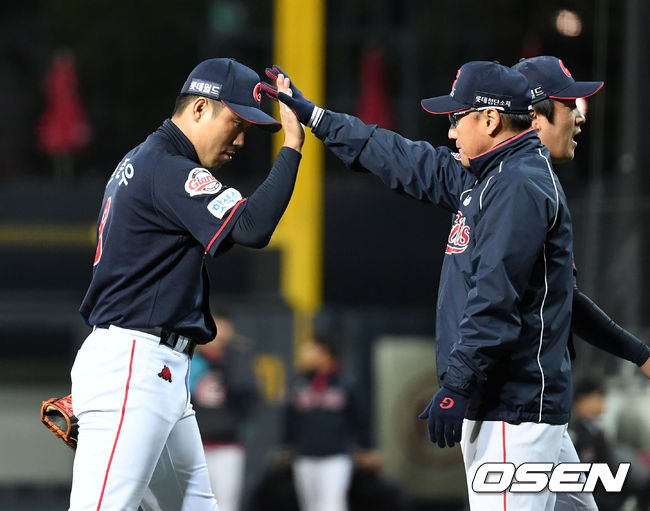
(307, 113)
(444, 416)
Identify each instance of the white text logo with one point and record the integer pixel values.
(123, 173)
(536, 92)
(213, 89)
(535, 477)
(493, 101)
(223, 202)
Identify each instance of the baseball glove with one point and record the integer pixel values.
(58, 416)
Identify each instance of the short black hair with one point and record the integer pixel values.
(182, 100)
(518, 122)
(330, 342)
(546, 108)
(586, 386)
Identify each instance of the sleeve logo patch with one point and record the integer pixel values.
(223, 202)
(201, 182)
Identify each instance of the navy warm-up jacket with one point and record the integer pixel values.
(504, 301)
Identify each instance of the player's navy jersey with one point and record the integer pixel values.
(504, 301)
(324, 415)
(161, 213)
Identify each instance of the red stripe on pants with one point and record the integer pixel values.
(503, 434)
(119, 428)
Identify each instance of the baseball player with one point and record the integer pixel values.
(557, 120)
(506, 288)
(324, 416)
(224, 395)
(163, 211)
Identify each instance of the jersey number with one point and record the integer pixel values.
(102, 223)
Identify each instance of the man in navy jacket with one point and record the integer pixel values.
(558, 120)
(504, 307)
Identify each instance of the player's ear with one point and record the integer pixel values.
(492, 121)
(536, 124)
(200, 108)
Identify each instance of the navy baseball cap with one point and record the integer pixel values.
(549, 78)
(235, 85)
(481, 84)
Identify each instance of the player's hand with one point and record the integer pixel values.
(294, 134)
(444, 416)
(307, 113)
(645, 369)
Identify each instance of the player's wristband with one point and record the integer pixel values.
(316, 117)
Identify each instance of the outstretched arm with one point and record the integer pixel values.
(413, 168)
(594, 326)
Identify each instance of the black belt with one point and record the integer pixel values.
(173, 340)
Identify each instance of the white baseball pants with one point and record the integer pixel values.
(226, 468)
(498, 441)
(322, 483)
(131, 397)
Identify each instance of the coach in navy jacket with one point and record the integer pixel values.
(504, 302)
(506, 290)
(508, 256)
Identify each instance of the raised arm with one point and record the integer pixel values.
(267, 204)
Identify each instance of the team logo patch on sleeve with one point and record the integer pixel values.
(223, 202)
(201, 182)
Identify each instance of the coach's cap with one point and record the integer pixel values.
(548, 77)
(235, 85)
(482, 84)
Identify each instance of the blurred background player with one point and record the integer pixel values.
(593, 446)
(325, 418)
(224, 394)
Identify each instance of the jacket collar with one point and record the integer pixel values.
(178, 139)
(483, 163)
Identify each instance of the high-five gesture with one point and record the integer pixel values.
(294, 134)
(307, 113)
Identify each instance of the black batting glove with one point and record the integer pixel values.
(273, 72)
(307, 113)
(444, 416)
